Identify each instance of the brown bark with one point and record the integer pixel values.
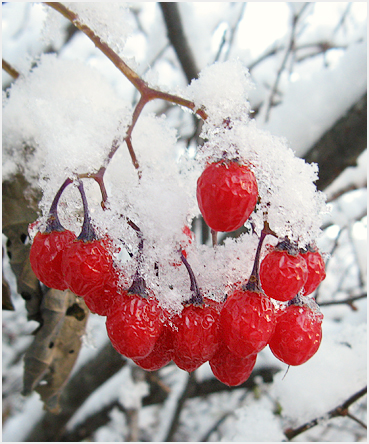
(341, 145)
(178, 39)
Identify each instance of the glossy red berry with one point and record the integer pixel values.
(282, 275)
(227, 193)
(102, 300)
(195, 336)
(161, 355)
(316, 271)
(247, 322)
(46, 255)
(87, 266)
(231, 369)
(135, 326)
(297, 335)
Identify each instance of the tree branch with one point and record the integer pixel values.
(178, 39)
(290, 49)
(84, 382)
(85, 429)
(147, 93)
(9, 69)
(158, 394)
(341, 410)
(347, 301)
(340, 146)
(133, 77)
(188, 390)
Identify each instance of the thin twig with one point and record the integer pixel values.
(341, 410)
(290, 48)
(147, 93)
(347, 301)
(343, 18)
(214, 237)
(180, 404)
(354, 418)
(9, 69)
(234, 29)
(131, 75)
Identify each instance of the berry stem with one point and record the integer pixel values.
(196, 298)
(87, 232)
(7, 67)
(99, 178)
(214, 237)
(147, 93)
(253, 284)
(286, 245)
(296, 300)
(138, 286)
(53, 222)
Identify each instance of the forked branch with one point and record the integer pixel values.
(147, 93)
(341, 410)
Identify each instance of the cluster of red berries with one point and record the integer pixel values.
(227, 334)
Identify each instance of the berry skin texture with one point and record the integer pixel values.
(227, 193)
(102, 301)
(247, 322)
(316, 271)
(282, 275)
(46, 256)
(135, 326)
(297, 335)
(161, 355)
(87, 266)
(195, 336)
(231, 369)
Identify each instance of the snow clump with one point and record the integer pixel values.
(62, 119)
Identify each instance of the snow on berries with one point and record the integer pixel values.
(125, 244)
(283, 273)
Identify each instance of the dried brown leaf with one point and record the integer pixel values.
(19, 208)
(52, 355)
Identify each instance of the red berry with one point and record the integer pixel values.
(46, 255)
(102, 300)
(227, 193)
(247, 321)
(87, 266)
(135, 326)
(316, 271)
(282, 275)
(195, 336)
(231, 369)
(161, 355)
(297, 335)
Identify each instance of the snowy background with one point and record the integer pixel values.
(304, 75)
